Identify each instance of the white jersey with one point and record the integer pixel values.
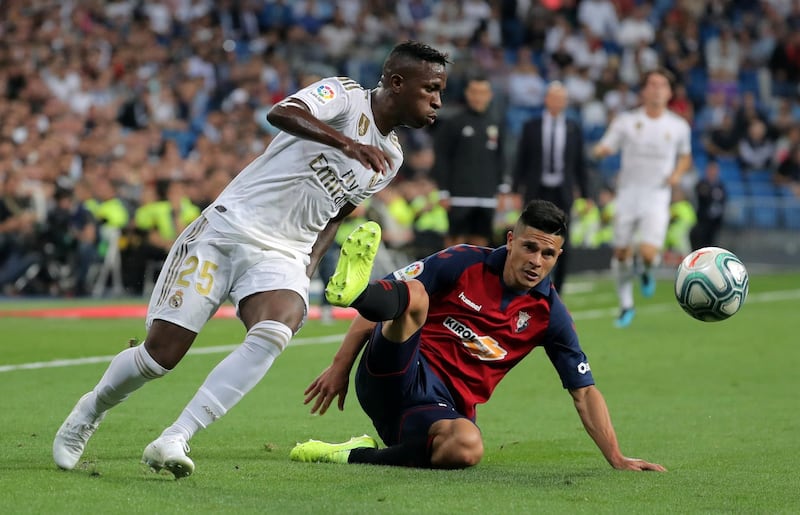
(286, 196)
(649, 147)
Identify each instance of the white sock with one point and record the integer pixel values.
(232, 378)
(623, 275)
(128, 371)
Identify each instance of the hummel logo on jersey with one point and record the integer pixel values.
(465, 300)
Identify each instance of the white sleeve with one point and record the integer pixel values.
(613, 136)
(326, 99)
(685, 143)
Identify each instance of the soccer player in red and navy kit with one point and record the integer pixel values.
(439, 335)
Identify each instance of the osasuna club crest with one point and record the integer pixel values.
(522, 321)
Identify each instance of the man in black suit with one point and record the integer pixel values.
(550, 163)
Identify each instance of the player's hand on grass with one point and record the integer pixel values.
(637, 464)
(330, 384)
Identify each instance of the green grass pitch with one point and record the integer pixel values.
(714, 403)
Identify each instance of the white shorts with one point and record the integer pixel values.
(205, 268)
(642, 216)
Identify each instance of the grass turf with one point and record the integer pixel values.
(714, 403)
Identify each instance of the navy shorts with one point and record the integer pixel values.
(398, 390)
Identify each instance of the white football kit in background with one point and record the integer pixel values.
(649, 149)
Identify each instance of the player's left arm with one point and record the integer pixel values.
(325, 238)
(684, 161)
(564, 350)
(682, 165)
(593, 410)
(333, 382)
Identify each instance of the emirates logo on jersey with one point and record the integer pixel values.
(363, 124)
(522, 321)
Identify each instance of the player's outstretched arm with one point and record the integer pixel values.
(593, 410)
(334, 380)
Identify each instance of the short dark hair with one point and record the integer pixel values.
(664, 72)
(545, 216)
(475, 76)
(416, 51)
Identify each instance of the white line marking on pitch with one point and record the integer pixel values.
(589, 314)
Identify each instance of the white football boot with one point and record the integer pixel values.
(169, 452)
(71, 438)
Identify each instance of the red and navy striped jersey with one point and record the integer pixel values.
(478, 329)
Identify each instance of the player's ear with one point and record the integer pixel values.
(509, 237)
(396, 82)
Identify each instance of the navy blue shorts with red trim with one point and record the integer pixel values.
(398, 390)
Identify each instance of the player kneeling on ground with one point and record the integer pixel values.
(440, 335)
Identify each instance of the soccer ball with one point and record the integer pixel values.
(711, 284)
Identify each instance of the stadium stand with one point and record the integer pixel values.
(136, 91)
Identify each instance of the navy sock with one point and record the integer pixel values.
(412, 453)
(382, 300)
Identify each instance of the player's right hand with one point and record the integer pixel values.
(330, 384)
(370, 156)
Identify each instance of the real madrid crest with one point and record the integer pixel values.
(363, 124)
(176, 300)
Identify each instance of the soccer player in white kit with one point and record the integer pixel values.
(655, 146)
(259, 243)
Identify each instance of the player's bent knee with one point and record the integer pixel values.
(460, 447)
(418, 299)
(458, 456)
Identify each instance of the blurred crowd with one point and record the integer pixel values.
(121, 120)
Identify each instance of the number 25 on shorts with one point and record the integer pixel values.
(204, 280)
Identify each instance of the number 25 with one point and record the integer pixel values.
(205, 281)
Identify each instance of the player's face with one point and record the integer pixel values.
(532, 254)
(656, 91)
(421, 94)
(478, 95)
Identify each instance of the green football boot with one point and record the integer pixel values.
(315, 451)
(355, 265)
